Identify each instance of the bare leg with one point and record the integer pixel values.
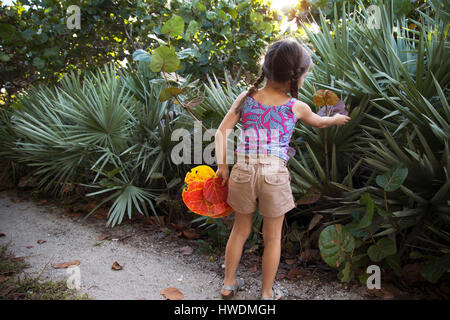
(272, 228)
(233, 252)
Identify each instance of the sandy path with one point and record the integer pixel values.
(151, 259)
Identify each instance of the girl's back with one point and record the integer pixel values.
(268, 123)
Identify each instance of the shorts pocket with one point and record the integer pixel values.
(277, 179)
(239, 175)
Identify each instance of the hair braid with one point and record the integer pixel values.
(294, 84)
(252, 90)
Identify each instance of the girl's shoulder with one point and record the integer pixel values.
(298, 107)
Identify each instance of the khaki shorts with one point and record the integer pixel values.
(260, 181)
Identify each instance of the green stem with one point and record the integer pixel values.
(390, 219)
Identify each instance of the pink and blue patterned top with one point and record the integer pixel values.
(267, 129)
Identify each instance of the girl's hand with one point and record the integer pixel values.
(340, 119)
(223, 172)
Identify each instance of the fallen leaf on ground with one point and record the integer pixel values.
(41, 241)
(178, 226)
(116, 266)
(252, 249)
(3, 279)
(125, 237)
(411, 273)
(172, 293)
(382, 293)
(2, 234)
(103, 237)
(29, 247)
(43, 201)
(24, 181)
(161, 222)
(66, 264)
(296, 272)
(90, 206)
(191, 235)
(290, 261)
(185, 251)
(280, 276)
(18, 259)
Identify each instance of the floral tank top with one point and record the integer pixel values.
(267, 129)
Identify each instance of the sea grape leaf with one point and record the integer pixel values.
(393, 179)
(335, 242)
(165, 59)
(174, 26)
(383, 248)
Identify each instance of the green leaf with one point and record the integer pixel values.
(168, 93)
(242, 6)
(7, 31)
(435, 268)
(211, 15)
(173, 182)
(415, 255)
(17, 106)
(223, 15)
(383, 213)
(141, 55)
(200, 6)
(394, 262)
(39, 63)
(363, 276)
(346, 274)
(112, 173)
(366, 220)
(191, 30)
(382, 249)
(174, 26)
(51, 52)
(4, 57)
(392, 180)
(165, 59)
(335, 242)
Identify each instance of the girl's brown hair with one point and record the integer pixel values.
(284, 60)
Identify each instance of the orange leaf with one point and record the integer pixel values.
(193, 198)
(213, 191)
(66, 264)
(319, 98)
(172, 293)
(295, 272)
(103, 237)
(325, 97)
(204, 194)
(116, 266)
(191, 235)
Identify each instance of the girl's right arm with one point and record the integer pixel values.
(303, 112)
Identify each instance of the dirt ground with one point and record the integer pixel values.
(151, 259)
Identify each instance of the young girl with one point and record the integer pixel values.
(260, 178)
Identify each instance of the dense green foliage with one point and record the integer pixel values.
(36, 45)
(390, 184)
